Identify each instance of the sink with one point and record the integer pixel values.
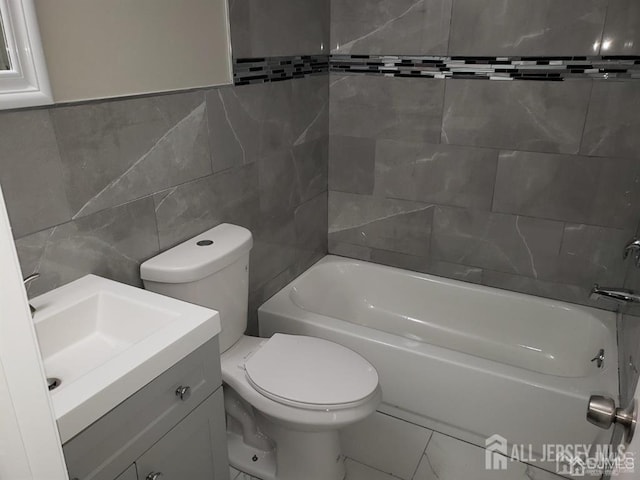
(101, 341)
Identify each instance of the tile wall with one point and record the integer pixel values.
(279, 27)
(102, 186)
(527, 186)
(543, 68)
(485, 27)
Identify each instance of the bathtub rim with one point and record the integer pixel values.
(282, 304)
(601, 314)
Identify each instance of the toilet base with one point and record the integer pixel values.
(307, 455)
(256, 463)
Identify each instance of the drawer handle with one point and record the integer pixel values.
(154, 476)
(184, 393)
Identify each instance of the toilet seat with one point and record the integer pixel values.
(298, 417)
(310, 373)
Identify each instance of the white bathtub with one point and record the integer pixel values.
(466, 360)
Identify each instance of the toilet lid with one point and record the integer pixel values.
(295, 369)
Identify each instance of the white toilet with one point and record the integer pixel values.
(285, 397)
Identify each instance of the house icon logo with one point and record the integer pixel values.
(571, 465)
(495, 453)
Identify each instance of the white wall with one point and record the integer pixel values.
(13, 457)
(29, 442)
(96, 49)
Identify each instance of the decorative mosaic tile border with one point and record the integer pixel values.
(273, 69)
(492, 68)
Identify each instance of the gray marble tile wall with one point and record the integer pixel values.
(279, 27)
(527, 186)
(485, 27)
(101, 187)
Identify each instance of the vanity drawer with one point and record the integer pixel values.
(115, 441)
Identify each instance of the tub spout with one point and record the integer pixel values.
(621, 295)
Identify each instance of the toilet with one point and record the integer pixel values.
(286, 397)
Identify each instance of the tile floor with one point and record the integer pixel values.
(386, 448)
(237, 475)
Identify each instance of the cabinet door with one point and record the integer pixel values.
(195, 449)
(129, 474)
(116, 440)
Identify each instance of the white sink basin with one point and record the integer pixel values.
(105, 340)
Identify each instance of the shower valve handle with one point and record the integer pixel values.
(633, 248)
(602, 412)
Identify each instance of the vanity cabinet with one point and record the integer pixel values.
(187, 451)
(175, 426)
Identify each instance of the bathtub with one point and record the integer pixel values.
(462, 359)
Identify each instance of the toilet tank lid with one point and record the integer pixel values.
(199, 257)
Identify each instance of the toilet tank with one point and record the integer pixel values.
(212, 270)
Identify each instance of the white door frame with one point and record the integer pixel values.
(30, 446)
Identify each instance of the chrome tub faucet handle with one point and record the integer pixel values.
(26, 281)
(599, 358)
(620, 295)
(633, 248)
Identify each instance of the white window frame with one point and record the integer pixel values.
(26, 84)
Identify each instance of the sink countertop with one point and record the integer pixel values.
(105, 340)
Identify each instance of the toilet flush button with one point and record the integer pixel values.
(204, 243)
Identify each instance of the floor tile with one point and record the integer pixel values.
(447, 458)
(386, 443)
(359, 471)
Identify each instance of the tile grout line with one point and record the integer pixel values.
(495, 182)
(453, 2)
(604, 25)
(491, 211)
(423, 454)
(586, 119)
